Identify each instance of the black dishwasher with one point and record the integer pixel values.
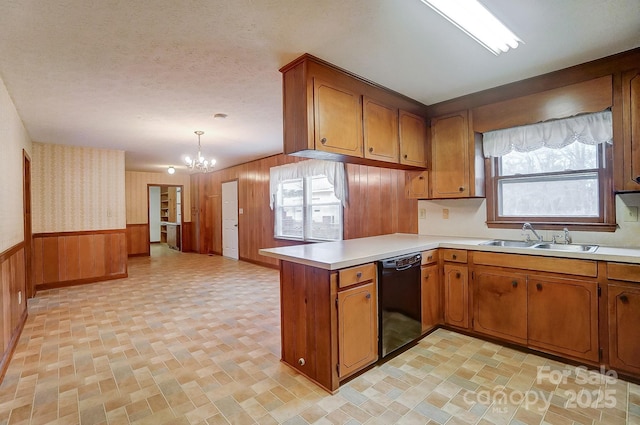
(399, 302)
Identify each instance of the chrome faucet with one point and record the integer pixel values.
(567, 236)
(528, 226)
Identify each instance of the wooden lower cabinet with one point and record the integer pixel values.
(431, 297)
(328, 326)
(357, 328)
(500, 304)
(624, 327)
(456, 295)
(562, 316)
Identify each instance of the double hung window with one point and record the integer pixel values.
(556, 173)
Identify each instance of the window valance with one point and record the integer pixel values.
(334, 171)
(590, 129)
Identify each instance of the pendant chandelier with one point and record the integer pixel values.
(199, 163)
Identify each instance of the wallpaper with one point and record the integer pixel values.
(136, 188)
(77, 188)
(13, 138)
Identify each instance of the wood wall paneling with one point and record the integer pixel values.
(13, 301)
(377, 205)
(137, 239)
(62, 259)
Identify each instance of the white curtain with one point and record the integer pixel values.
(334, 171)
(590, 129)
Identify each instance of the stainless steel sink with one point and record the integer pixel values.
(564, 247)
(512, 244)
(541, 245)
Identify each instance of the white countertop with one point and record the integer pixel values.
(352, 252)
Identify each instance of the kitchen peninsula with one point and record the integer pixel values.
(329, 300)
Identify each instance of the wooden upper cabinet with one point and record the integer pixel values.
(453, 158)
(337, 119)
(562, 316)
(413, 139)
(332, 114)
(631, 129)
(417, 184)
(380, 124)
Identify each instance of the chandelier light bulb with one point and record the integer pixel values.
(199, 164)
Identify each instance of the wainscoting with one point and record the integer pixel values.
(71, 258)
(137, 240)
(13, 303)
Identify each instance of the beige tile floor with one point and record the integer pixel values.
(195, 339)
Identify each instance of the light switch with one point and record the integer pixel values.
(445, 213)
(240, 210)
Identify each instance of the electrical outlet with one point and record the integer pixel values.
(445, 213)
(631, 214)
(422, 213)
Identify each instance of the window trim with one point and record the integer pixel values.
(606, 222)
(306, 209)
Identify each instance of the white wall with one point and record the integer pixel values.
(13, 139)
(154, 213)
(467, 217)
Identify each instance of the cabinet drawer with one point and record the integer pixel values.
(620, 271)
(457, 255)
(429, 257)
(355, 275)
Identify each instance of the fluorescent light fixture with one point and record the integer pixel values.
(477, 22)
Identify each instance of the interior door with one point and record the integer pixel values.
(230, 219)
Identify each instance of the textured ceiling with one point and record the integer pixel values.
(141, 76)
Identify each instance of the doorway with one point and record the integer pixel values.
(165, 212)
(28, 234)
(230, 219)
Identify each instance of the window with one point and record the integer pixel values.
(307, 209)
(553, 178)
(307, 198)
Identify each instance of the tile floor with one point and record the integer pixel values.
(194, 339)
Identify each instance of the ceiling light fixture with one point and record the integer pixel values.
(477, 22)
(199, 164)
(171, 170)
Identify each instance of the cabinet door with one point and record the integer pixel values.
(380, 131)
(631, 128)
(563, 316)
(450, 156)
(338, 119)
(500, 304)
(413, 139)
(456, 295)
(357, 328)
(431, 297)
(624, 328)
(417, 184)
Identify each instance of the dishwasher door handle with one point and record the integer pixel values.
(408, 266)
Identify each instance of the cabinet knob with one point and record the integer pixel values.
(359, 275)
(458, 275)
(624, 299)
(514, 283)
(323, 140)
(429, 258)
(406, 156)
(539, 286)
(421, 178)
(461, 188)
(427, 277)
(301, 361)
(368, 296)
(454, 256)
(637, 179)
(371, 149)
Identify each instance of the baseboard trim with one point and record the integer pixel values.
(56, 285)
(13, 343)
